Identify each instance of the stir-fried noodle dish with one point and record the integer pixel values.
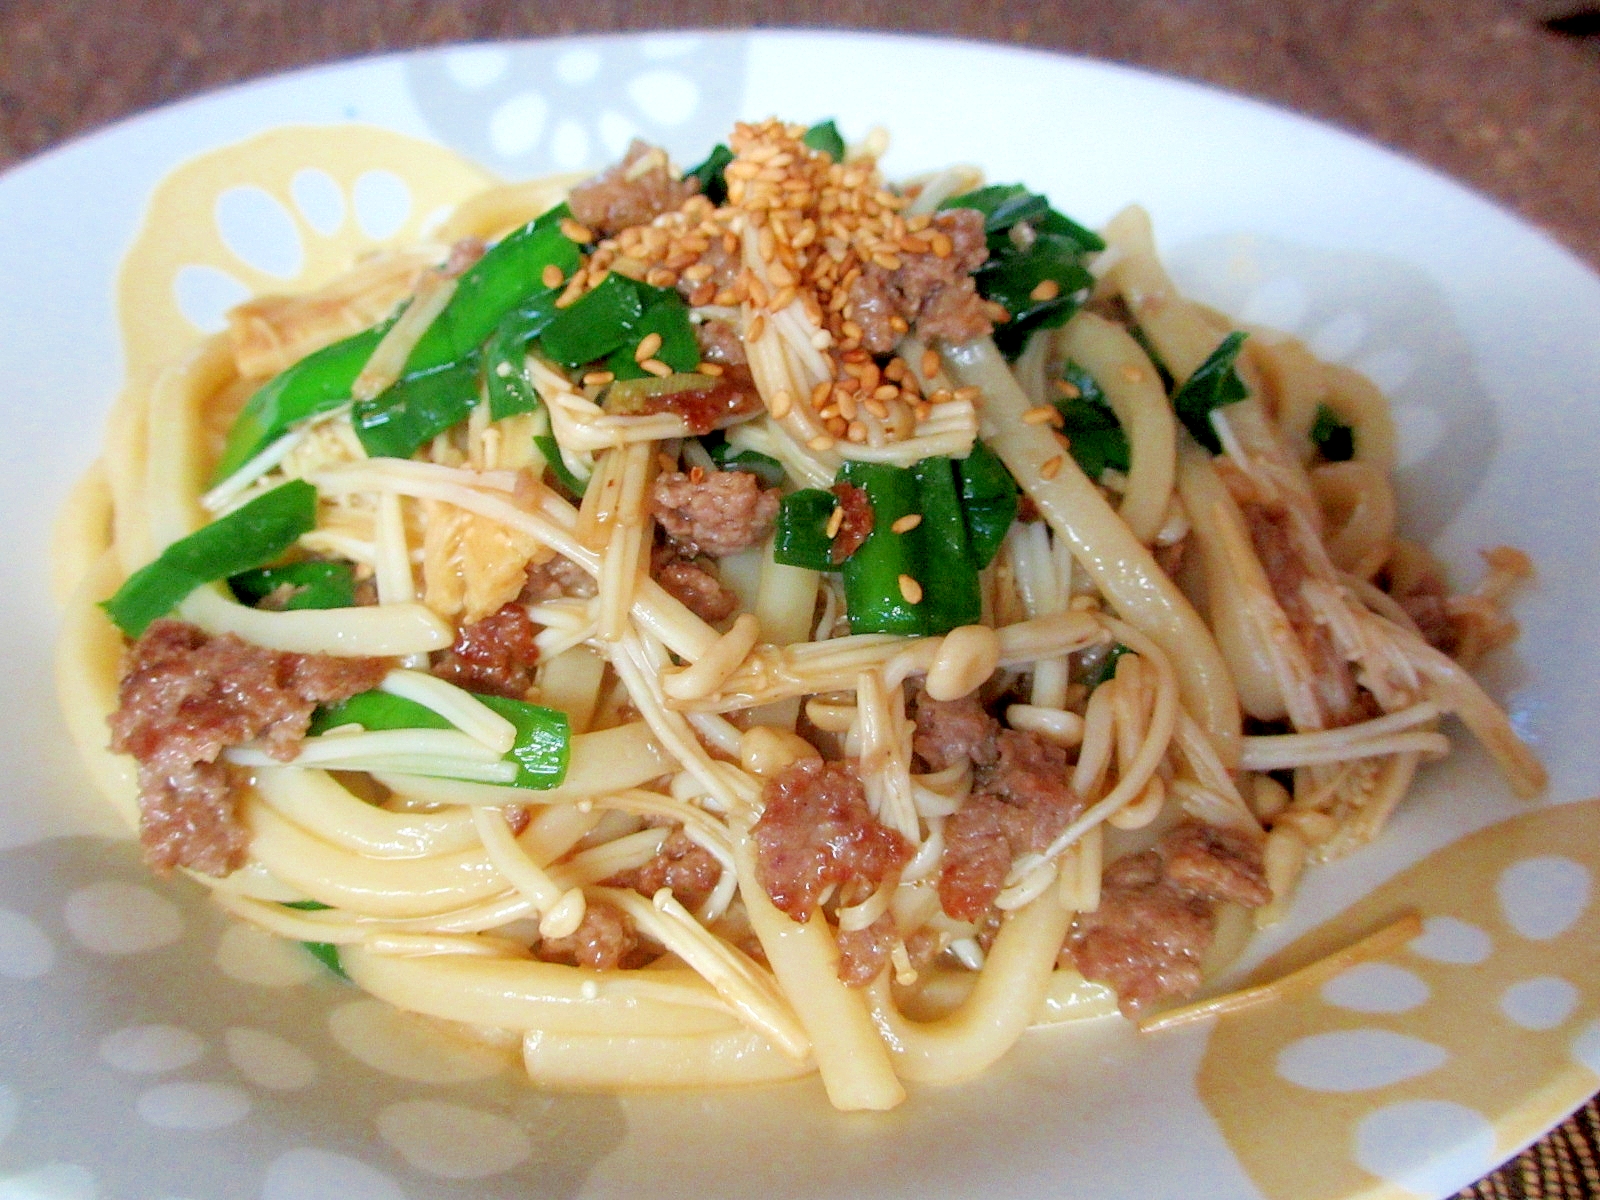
(709, 627)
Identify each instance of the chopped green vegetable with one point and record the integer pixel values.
(763, 466)
(316, 583)
(665, 314)
(1030, 244)
(824, 136)
(327, 954)
(801, 537)
(1334, 440)
(709, 174)
(949, 578)
(318, 383)
(306, 905)
(872, 574)
(416, 409)
(1093, 433)
(1214, 384)
(251, 536)
(540, 750)
(509, 273)
(595, 324)
(990, 499)
(1106, 669)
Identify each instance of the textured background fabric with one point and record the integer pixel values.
(1502, 94)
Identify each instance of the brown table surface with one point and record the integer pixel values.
(1492, 92)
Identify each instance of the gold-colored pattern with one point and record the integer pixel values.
(1300, 1142)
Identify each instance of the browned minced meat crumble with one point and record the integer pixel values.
(623, 195)
(1020, 799)
(1157, 913)
(184, 698)
(498, 655)
(604, 940)
(693, 583)
(816, 832)
(726, 400)
(713, 512)
(682, 865)
(935, 295)
(855, 522)
(555, 579)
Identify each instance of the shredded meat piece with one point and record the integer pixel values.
(626, 195)
(953, 731)
(604, 940)
(497, 655)
(692, 585)
(1423, 598)
(863, 953)
(713, 512)
(1333, 680)
(184, 698)
(816, 831)
(935, 295)
(856, 524)
(555, 579)
(689, 869)
(720, 343)
(1019, 803)
(1157, 913)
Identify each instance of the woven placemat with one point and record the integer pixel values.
(1563, 1166)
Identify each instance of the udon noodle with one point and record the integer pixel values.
(698, 697)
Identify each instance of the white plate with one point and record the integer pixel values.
(151, 1051)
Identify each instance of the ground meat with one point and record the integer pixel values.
(1217, 863)
(604, 940)
(1332, 679)
(720, 343)
(935, 295)
(863, 953)
(497, 655)
(1157, 913)
(553, 580)
(1147, 938)
(622, 195)
(1423, 599)
(816, 831)
(713, 512)
(953, 731)
(856, 524)
(728, 398)
(1020, 802)
(185, 697)
(692, 585)
(689, 869)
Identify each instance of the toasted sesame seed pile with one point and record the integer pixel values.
(817, 224)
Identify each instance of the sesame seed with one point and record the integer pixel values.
(780, 275)
(1052, 467)
(656, 367)
(876, 407)
(784, 298)
(930, 363)
(896, 370)
(551, 276)
(887, 391)
(819, 394)
(915, 245)
(857, 432)
(757, 327)
(941, 244)
(698, 273)
(1047, 289)
(889, 262)
(906, 523)
(661, 277)
(966, 394)
(898, 324)
(821, 442)
(1132, 373)
(570, 296)
(781, 404)
(598, 378)
(1044, 414)
(708, 368)
(647, 347)
(847, 406)
(821, 339)
(575, 232)
(942, 396)
(910, 590)
(835, 522)
(703, 294)
(1068, 389)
